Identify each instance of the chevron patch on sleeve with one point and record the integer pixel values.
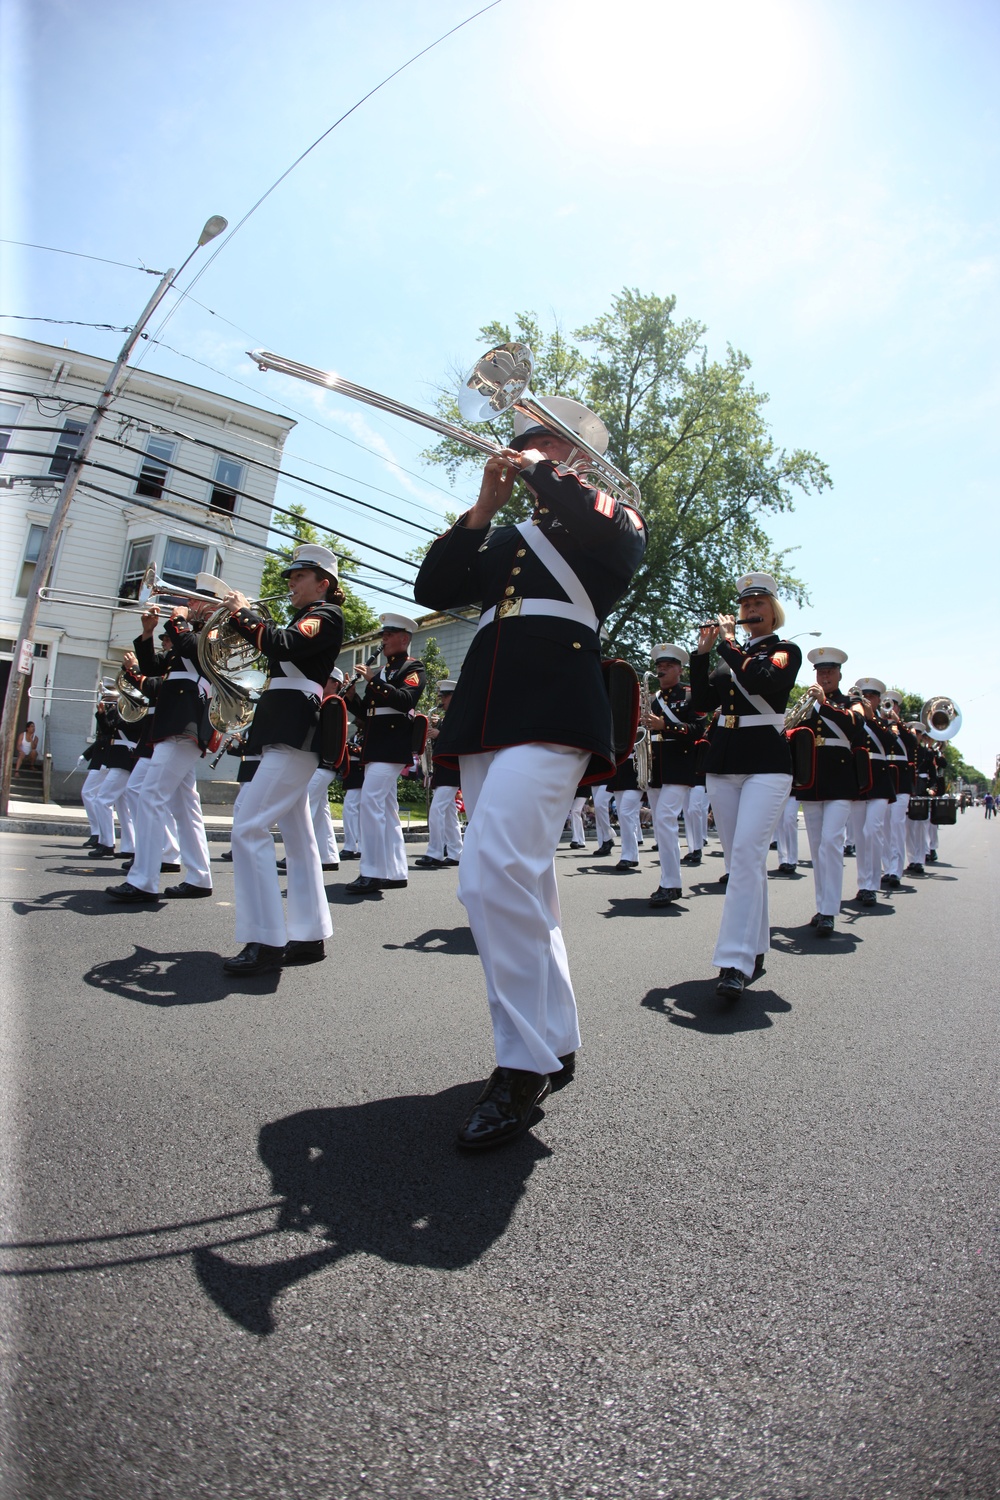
(604, 504)
(310, 626)
(780, 658)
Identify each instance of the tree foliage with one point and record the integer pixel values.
(691, 432)
(358, 618)
(437, 669)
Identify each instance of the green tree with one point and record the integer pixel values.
(358, 618)
(436, 668)
(691, 433)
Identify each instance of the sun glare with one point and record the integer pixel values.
(713, 74)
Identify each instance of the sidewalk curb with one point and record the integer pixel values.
(53, 828)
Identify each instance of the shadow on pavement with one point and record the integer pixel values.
(439, 940)
(84, 903)
(803, 940)
(638, 906)
(382, 1178)
(196, 978)
(695, 1005)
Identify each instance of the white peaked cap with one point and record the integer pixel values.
(584, 422)
(312, 555)
(670, 653)
(827, 656)
(447, 685)
(337, 675)
(870, 685)
(398, 622)
(756, 583)
(891, 696)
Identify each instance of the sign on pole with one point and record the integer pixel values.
(24, 661)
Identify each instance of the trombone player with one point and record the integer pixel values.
(286, 734)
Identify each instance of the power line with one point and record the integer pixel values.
(75, 322)
(80, 255)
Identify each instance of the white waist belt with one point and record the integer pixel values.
(397, 711)
(561, 609)
(298, 685)
(771, 721)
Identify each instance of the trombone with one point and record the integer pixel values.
(497, 383)
(208, 590)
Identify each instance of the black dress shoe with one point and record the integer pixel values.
(281, 865)
(102, 851)
(130, 894)
(169, 868)
(333, 865)
(867, 898)
(692, 859)
(578, 846)
(914, 870)
(448, 862)
(930, 857)
(255, 958)
(848, 851)
(824, 927)
(393, 885)
(350, 854)
(893, 882)
(187, 892)
(815, 919)
(724, 880)
(128, 863)
(773, 844)
(603, 850)
(365, 885)
(786, 869)
(665, 895)
(304, 951)
(227, 858)
(566, 1074)
(92, 842)
(428, 862)
(627, 864)
(505, 1108)
(758, 968)
(731, 984)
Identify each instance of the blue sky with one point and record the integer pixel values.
(815, 180)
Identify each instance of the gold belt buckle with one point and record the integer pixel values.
(508, 607)
(729, 722)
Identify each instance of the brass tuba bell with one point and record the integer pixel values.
(941, 718)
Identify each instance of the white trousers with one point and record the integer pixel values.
(933, 834)
(278, 794)
(169, 787)
(787, 833)
(88, 793)
(916, 840)
(746, 811)
(696, 820)
(444, 832)
(352, 820)
(870, 844)
(171, 848)
(576, 829)
(668, 802)
(895, 834)
(383, 849)
(319, 811)
(517, 800)
(602, 813)
(826, 824)
(112, 795)
(629, 810)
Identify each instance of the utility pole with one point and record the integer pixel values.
(24, 645)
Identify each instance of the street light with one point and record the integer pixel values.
(22, 656)
(804, 632)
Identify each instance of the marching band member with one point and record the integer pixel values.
(180, 732)
(902, 758)
(94, 756)
(351, 783)
(749, 771)
(529, 711)
(112, 794)
(444, 832)
(286, 732)
(624, 785)
(600, 794)
(917, 828)
(318, 797)
(787, 836)
(869, 829)
(826, 805)
(577, 833)
(237, 745)
(696, 824)
(676, 729)
(385, 713)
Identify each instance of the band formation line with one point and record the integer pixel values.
(520, 759)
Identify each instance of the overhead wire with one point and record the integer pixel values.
(82, 255)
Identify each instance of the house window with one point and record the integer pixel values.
(66, 447)
(155, 467)
(32, 552)
(8, 421)
(136, 564)
(182, 563)
(228, 479)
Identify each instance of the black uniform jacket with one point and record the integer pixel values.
(625, 779)
(673, 747)
(354, 777)
(180, 704)
(838, 737)
(442, 775)
(121, 754)
(534, 677)
(96, 752)
(903, 757)
(388, 734)
(303, 651)
(880, 743)
(767, 669)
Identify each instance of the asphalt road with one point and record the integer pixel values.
(750, 1254)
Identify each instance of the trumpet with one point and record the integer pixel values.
(498, 383)
(804, 709)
